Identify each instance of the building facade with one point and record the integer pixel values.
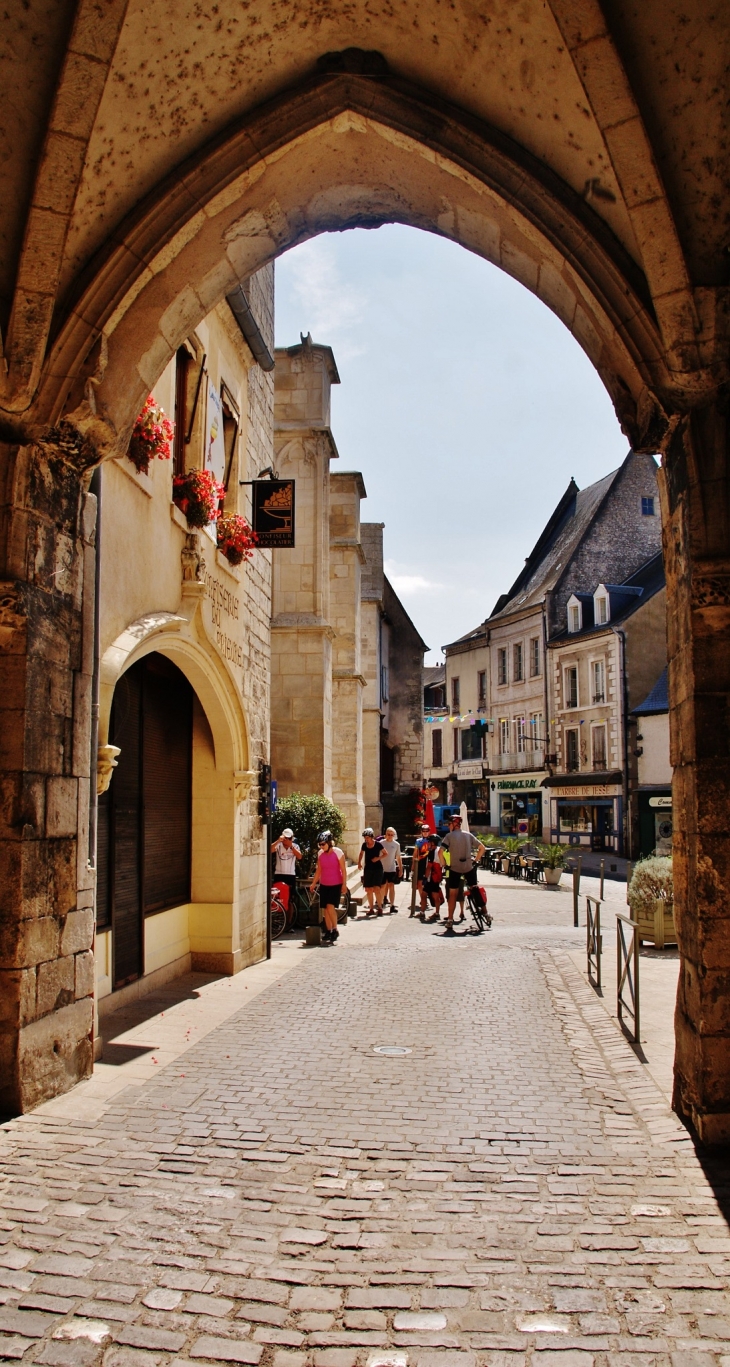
(346, 659)
(508, 745)
(651, 795)
(183, 669)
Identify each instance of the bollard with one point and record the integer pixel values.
(576, 889)
(603, 871)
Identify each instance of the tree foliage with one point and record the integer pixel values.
(307, 815)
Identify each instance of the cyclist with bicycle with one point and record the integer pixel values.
(464, 851)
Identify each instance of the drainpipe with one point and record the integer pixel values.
(624, 729)
(241, 309)
(95, 489)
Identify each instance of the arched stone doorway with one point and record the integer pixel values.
(365, 139)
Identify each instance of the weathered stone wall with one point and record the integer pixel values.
(46, 633)
(346, 564)
(405, 693)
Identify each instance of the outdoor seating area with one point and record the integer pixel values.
(517, 864)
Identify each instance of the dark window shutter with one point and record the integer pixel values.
(167, 784)
(103, 891)
(126, 792)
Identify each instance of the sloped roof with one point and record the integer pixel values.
(625, 599)
(656, 701)
(434, 674)
(555, 546)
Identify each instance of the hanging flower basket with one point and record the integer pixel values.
(236, 539)
(152, 436)
(198, 495)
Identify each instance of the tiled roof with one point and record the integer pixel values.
(657, 700)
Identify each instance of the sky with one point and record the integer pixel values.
(464, 401)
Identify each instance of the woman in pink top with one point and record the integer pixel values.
(331, 874)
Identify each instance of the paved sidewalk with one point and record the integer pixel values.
(513, 1187)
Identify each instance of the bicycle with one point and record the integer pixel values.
(302, 902)
(477, 899)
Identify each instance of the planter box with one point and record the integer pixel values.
(657, 925)
(553, 877)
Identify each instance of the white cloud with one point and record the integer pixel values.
(409, 584)
(331, 307)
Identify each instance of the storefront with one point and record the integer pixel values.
(655, 822)
(472, 788)
(519, 805)
(587, 815)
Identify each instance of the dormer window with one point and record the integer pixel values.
(601, 606)
(575, 614)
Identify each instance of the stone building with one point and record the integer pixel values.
(498, 673)
(178, 658)
(613, 643)
(346, 659)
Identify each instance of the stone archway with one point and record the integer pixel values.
(361, 141)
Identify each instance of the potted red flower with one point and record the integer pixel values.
(236, 538)
(198, 495)
(152, 436)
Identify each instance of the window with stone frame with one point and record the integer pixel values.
(482, 688)
(456, 745)
(570, 686)
(518, 664)
(502, 665)
(598, 748)
(598, 681)
(574, 617)
(471, 743)
(534, 657)
(504, 736)
(456, 695)
(437, 749)
(520, 735)
(572, 750)
(537, 731)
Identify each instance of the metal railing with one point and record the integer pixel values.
(594, 943)
(627, 977)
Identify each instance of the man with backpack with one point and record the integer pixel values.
(464, 851)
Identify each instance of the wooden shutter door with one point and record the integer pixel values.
(126, 853)
(167, 784)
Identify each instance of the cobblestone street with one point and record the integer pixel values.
(513, 1187)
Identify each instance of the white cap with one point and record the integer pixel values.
(288, 833)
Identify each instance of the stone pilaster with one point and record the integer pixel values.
(697, 554)
(46, 661)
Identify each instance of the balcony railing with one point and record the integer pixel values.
(518, 762)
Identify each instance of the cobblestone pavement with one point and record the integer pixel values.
(512, 1188)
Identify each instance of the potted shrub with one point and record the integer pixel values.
(236, 538)
(307, 815)
(651, 898)
(198, 495)
(554, 858)
(152, 436)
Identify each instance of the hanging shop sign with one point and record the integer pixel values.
(272, 516)
(660, 801)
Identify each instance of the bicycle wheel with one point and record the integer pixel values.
(343, 910)
(278, 919)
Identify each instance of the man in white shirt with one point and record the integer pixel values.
(465, 851)
(287, 853)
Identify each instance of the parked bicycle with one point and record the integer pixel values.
(302, 909)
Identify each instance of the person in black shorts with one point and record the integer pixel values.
(421, 858)
(464, 853)
(370, 862)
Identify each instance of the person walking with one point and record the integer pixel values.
(392, 867)
(420, 861)
(370, 862)
(464, 852)
(432, 881)
(330, 875)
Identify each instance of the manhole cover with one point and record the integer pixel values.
(391, 1049)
